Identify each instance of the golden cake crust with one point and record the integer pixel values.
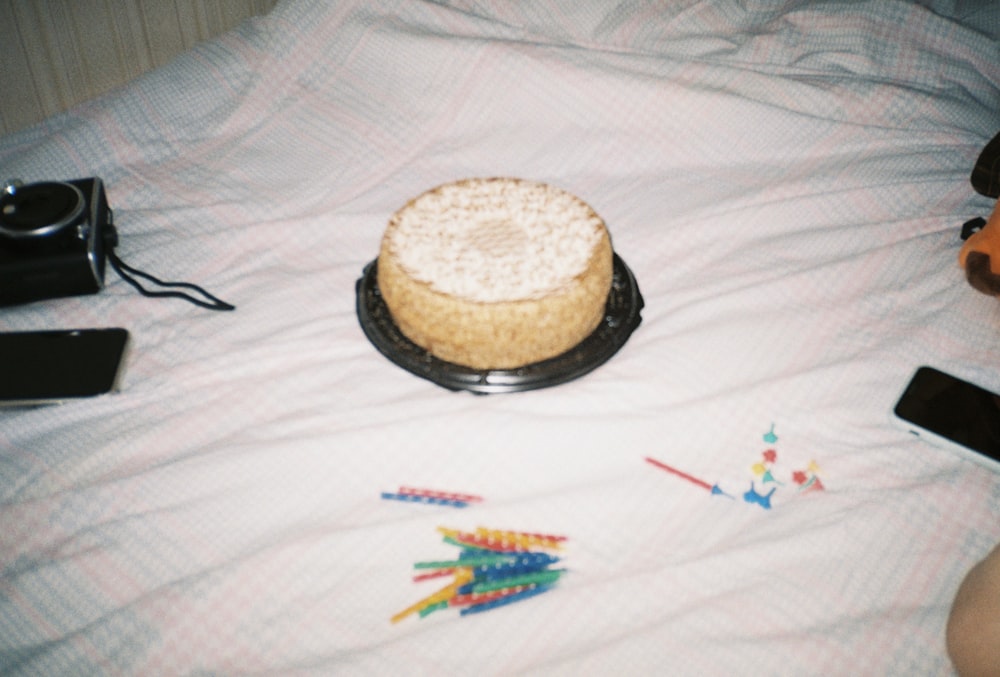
(487, 317)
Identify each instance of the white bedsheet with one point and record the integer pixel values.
(785, 180)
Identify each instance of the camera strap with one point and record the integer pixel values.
(126, 272)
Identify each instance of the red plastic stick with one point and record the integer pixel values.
(682, 475)
(433, 574)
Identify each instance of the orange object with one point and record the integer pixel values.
(980, 256)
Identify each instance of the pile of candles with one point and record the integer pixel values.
(492, 568)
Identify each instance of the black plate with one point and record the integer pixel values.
(621, 317)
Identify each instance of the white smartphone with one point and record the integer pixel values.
(48, 367)
(950, 412)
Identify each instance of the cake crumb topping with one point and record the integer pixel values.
(495, 240)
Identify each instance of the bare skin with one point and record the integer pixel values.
(973, 633)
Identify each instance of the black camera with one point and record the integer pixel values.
(53, 239)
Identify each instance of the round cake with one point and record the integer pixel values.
(495, 273)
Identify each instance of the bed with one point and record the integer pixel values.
(785, 181)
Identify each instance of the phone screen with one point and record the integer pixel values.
(38, 367)
(952, 409)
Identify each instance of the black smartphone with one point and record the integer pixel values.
(47, 367)
(948, 411)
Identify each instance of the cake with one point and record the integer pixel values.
(495, 273)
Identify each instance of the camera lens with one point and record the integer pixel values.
(39, 209)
